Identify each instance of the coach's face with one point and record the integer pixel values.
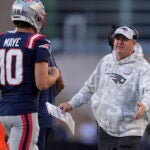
(123, 46)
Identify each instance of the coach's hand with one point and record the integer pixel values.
(141, 110)
(65, 107)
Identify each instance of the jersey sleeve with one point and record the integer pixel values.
(43, 50)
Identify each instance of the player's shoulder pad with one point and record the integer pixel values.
(33, 39)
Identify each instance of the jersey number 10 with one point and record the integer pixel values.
(11, 66)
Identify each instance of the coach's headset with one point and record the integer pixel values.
(114, 28)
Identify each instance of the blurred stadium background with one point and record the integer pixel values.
(78, 30)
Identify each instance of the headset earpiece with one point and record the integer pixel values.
(136, 36)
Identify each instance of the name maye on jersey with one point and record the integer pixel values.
(11, 42)
(14, 42)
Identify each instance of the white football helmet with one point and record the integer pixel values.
(31, 11)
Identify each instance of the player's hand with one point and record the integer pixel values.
(54, 71)
(65, 107)
(141, 110)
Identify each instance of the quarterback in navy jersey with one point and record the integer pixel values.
(24, 71)
(20, 51)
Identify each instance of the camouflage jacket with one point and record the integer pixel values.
(113, 90)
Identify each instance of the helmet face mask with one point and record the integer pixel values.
(31, 12)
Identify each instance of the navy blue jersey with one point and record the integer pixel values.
(45, 120)
(18, 54)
